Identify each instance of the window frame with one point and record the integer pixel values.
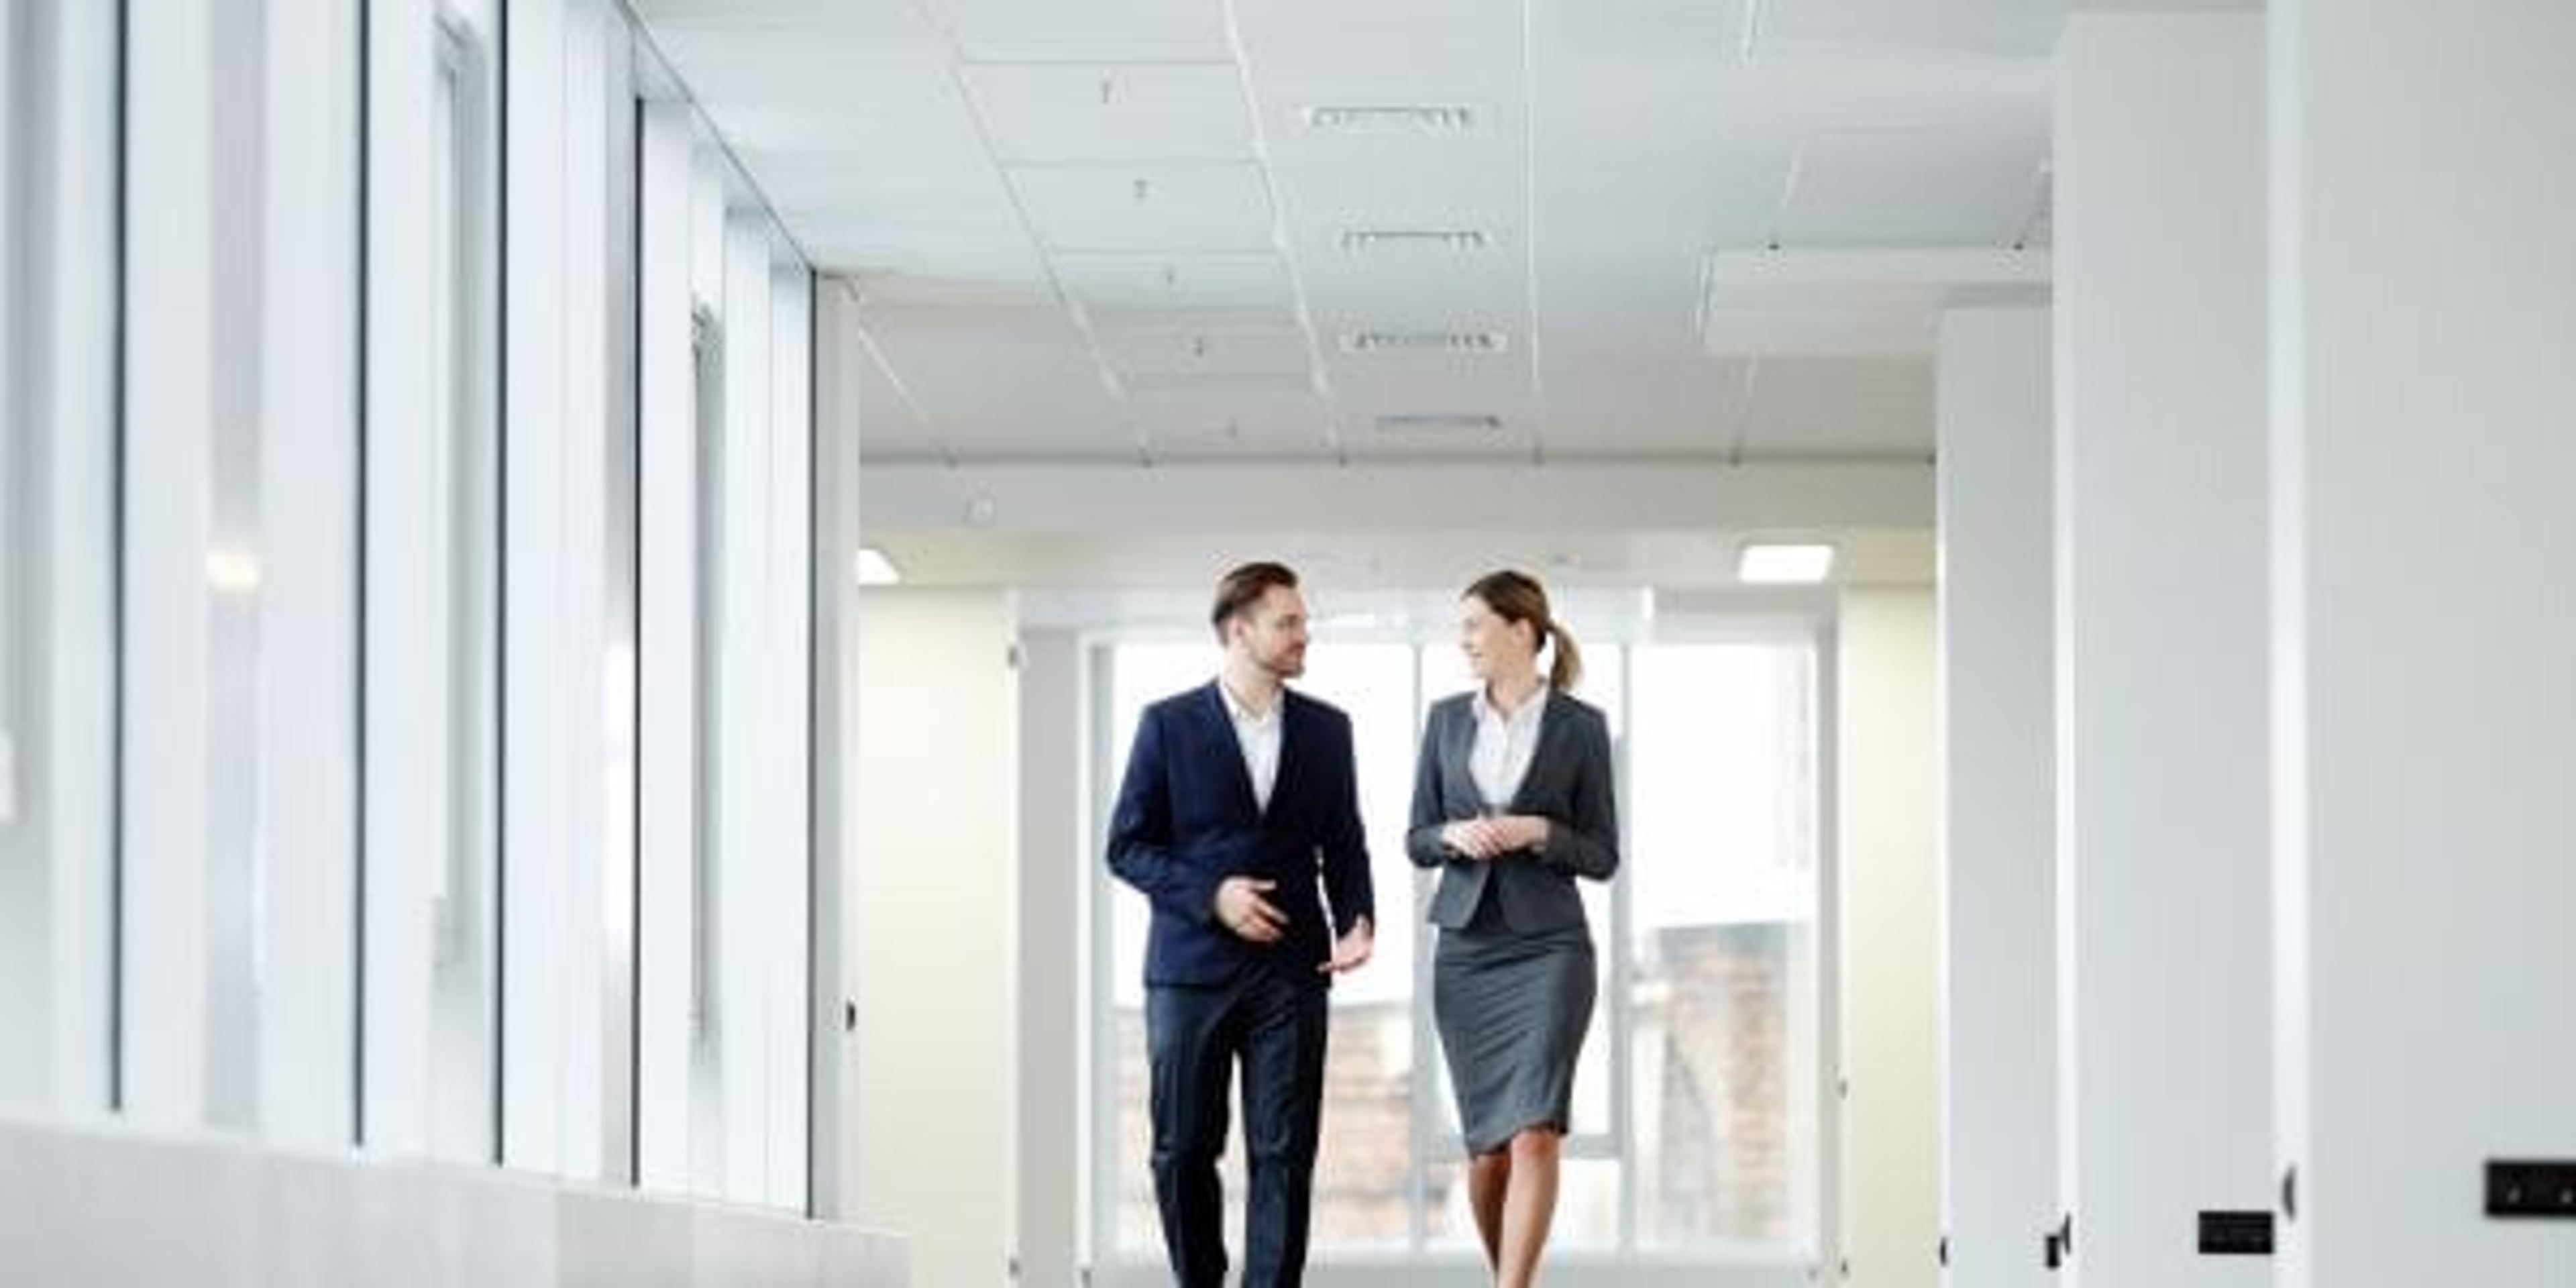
(1801, 624)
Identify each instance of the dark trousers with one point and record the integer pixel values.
(1271, 1020)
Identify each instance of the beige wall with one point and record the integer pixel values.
(1891, 940)
(934, 891)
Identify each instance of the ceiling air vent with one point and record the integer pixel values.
(1361, 240)
(1441, 423)
(1425, 342)
(1391, 118)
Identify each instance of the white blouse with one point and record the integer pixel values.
(1504, 746)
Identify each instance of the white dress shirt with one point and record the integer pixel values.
(1258, 736)
(1504, 746)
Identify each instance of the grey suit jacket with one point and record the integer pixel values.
(1568, 783)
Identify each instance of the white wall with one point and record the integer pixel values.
(2425, 711)
(1891, 944)
(2164, 918)
(936, 891)
(132, 1209)
(1998, 768)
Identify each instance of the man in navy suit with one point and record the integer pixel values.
(1239, 797)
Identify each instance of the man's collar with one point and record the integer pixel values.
(1242, 711)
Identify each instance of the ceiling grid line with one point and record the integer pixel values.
(867, 341)
(1074, 312)
(1319, 375)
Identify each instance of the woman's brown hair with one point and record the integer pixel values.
(1517, 597)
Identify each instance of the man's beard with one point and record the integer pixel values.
(1286, 664)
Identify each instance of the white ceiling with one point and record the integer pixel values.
(1105, 230)
(1119, 205)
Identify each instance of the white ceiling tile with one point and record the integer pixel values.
(1150, 112)
(1197, 351)
(2023, 27)
(949, 358)
(1146, 208)
(1913, 187)
(1091, 31)
(1114, 287)
(1225, 422)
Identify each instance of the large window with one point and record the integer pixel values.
(1695, 1123)
(59, 293)
(722, 652)
(378, 580)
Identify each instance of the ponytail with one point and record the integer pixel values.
(1567, 670)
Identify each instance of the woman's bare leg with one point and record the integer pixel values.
(1529, 1205)
(1489, 1178)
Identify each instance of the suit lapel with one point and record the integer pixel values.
(1290, 742)
(1551, 728)
(1458, 751)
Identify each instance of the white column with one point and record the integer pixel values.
(537, 709)
(2424, 231)
(667, 662)
(401, 636)
(747, 867)
(558, 565)
(836, 600)
(787, 571)
(172, 387)
(1998, 761)
(1891, 951)
(2162, 827)
(308, 487)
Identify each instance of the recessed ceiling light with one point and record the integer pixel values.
(1356, 240)
(1425, 342)
(1439, 423)
(872, 568)
(1391, 118)
(1784, 563)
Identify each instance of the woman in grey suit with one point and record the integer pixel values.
(1512, 801)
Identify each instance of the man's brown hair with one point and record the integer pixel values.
(1240, 589)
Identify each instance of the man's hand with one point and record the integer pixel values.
(1241, 909)
(1352, 950)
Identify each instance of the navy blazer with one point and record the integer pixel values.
(1186, 820)
(1568, 784)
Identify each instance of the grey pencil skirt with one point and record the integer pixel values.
(1512, 1010)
